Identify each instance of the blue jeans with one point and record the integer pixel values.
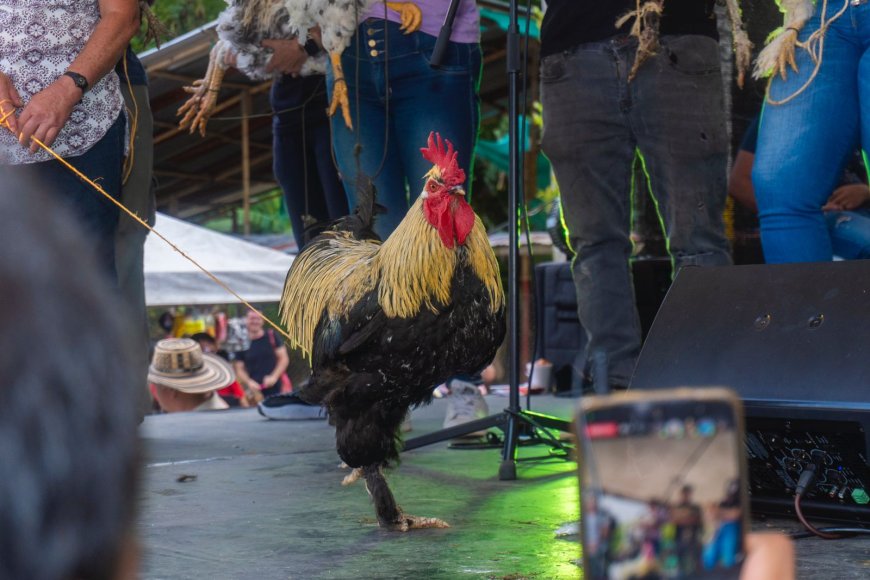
(850, 233)
(97, 215)
(401, 100)
(804, 144)
(303, 153)
(594, 122)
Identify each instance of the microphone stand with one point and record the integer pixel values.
(513, 419)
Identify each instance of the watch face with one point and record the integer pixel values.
(79, 80)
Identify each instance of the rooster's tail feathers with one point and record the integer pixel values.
(361, 222)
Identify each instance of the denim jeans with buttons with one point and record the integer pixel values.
(595, 122)
(804, 144)
(401, 100)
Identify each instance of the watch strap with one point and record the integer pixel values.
(79, 79)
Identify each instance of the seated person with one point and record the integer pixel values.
(847, 211)
(183, 378)
(233, 394)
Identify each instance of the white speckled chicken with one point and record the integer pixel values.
(246, 23)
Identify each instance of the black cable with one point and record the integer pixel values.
(805, 483)
(843, 532)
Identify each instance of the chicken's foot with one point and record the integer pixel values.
(410, 14)
(199, 107)
(351, 477)
(339, 90)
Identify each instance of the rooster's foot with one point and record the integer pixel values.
(410, 14)
(351, 477)
(407, 522)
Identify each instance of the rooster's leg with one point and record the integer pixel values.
(339, 90)
(410, 14)
(389, 514)
(199, 107)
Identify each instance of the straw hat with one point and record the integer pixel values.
(180, 364)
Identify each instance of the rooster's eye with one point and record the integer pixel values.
(431, 186)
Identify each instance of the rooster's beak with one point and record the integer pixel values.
(457, 190)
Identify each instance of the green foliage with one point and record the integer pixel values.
(268, 216)
(180, 16)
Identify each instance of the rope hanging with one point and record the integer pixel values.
(779, 54)
(4, 115)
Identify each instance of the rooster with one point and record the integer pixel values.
(384, 323)
(243, 26)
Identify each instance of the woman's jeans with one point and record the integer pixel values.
(804, 144)
(850, 233)
(401, 100)
(98, 216)
(302, 148)
(595, 122)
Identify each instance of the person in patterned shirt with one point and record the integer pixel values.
(56, 78)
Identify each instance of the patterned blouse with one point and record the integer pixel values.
(39, 39)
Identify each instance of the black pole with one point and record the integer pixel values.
(508, 468)
(444, 35)
(510, 420)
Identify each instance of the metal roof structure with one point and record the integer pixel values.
(197, 175)
(199, 178)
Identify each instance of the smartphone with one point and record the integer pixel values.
(663, 489)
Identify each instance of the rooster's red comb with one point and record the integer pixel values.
(445, 159)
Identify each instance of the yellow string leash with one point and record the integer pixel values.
(5, 123)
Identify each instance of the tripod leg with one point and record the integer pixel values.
(507, 471)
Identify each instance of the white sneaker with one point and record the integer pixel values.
(464, 404)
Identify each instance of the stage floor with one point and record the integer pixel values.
(231, 495)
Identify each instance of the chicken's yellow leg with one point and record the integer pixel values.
(411, 15)
(198, 108)
(339, 90)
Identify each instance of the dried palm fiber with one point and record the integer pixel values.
(740, 40)
(779, 54)
(647, 15)
(645, 28)
(154, 29)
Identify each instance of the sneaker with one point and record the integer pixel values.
(464, 404)
(289, 407)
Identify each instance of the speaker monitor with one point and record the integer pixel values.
(794, 341)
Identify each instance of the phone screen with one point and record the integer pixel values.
(661, 493)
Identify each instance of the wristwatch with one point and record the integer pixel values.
(80, 80)
(311, 47)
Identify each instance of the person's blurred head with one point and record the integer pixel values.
(183, 377)
(254, 322)
(686, 493)
(69, 456)
(207, 342)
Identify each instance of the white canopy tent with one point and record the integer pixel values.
(256, 273)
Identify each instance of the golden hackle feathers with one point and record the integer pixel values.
(337, 273)
(412, 270)
(416, 270)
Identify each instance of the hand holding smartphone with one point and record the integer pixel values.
(663, 484)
